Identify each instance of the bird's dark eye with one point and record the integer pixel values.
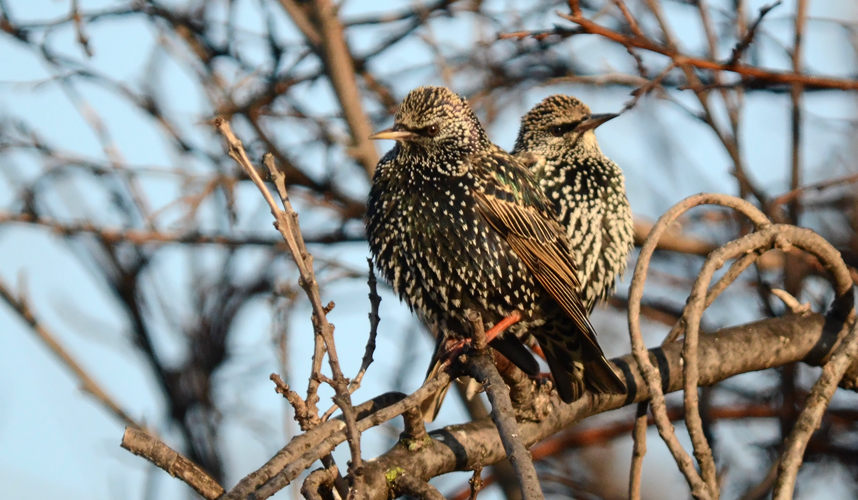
(432, 130)
(563, 128)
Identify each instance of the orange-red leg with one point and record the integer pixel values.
(502, 325)
(454, 348)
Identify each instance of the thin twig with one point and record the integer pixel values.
(638, 451)
(287, 224)
(795, 193)
(289, 464)
(746, 40)
(729, 277)
(770, 76)
(482, 368)
(306, 419)
(796, 94)
(374, 319)
(476, 483)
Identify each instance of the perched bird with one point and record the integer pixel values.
(457, 224)
(558, 142)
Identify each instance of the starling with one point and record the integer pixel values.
(456, 224)
(558, 142)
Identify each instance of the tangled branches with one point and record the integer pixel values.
(703, 360)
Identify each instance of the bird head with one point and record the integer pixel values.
(559, 121)
(437, 124)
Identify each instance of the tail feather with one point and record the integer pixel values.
(569, 386)
(601, 377)
(432, 405)
(576, 364)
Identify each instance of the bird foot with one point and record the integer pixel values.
(453, 348)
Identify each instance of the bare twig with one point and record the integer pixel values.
(791, 302)
(746, 40)
(137, 236)
(769, 76)
(795, 193)
(374, 319)
(287, 224)
(638, 452)
(308, 440)
(306, 419)
(293, 459)
(729, 277)
(810, 417)
(476, 483)
(319, 340)
(142, 444)
(481, 367)
(796, 93)
(699, 488)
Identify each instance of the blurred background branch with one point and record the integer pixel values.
(151, 258)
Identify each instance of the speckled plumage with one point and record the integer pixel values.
(557, 139)
(455, 223)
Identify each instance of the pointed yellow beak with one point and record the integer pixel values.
(393, 135)
(595, 120)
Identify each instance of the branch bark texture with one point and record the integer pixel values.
(723, 354)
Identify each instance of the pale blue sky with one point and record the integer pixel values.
(56, 442)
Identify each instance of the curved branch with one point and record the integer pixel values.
(699, 488)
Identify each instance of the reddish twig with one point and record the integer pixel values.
(819, 186)
(769, 76)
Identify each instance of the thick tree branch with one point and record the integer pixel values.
(139, 443)
(723, 354)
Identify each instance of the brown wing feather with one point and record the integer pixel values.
(532, 237)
